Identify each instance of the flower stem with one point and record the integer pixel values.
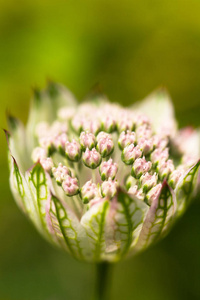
(103, 281)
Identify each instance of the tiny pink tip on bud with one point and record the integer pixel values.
(89, 191)
(46, 163)
(159, 155)
(87, 140)
(126, 138)
(73, 150)
(109, 188)
(105, 145)
(165, 168)
(60, 173)
(108, 169)
(140, 167)
(148, 181)
(143, 131)
(91, 158)
(38, 153)
(153, 193)
(130, 153)
(70, 186)
(133, 191)
(174, 177)
(145, 145)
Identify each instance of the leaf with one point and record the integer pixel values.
(22, 194)
(124, 217)
(65, 228)
(186, 187)
(44, 108)
(94, 223)
(16, 139)
(158, 217)
(159, 108)
(39, 184)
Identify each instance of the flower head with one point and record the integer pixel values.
(100, 180)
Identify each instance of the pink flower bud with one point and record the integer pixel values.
(70, 186)
(165, 168)
(109, 188)
(159, 155)
(125, 123)
(148, 181)
(93, 126)
(87, 140)
(105, 145)
(126, 138)
(46, 163)
(73, 150)
(91, 158)
(160, 142)
(59, 142)
(89, 191)
(174, 177)
(130, 153)
(140, 167)
(143, 131)
(153, 193)
(141, 119)
(58, 128)
(108, 169)
(133, 191)
(60, 173)
(108, 123)
(38, 153)
(145, 145)
(46, 142)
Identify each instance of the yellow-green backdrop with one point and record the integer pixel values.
(130, 48)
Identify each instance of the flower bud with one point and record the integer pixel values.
(130, 153)
(46, 163)
(143, 131)
(105, 145)
(126, 138)
(89, 191)
(91, 158)
(60, 141)
(60, 173)
(165, 168)
(70, 186)
(145, 145)
(38, 153)
(108, 169)
(133, 191)
(130, 182)
(108, 123)
(140, 167)
(153, 193)
(174, 177)
(148, 181)
(93, 126)
(125, 123)
(159, 155)
(109, 188)
(87, 140)
(73, 150)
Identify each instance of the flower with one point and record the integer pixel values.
(98, 180)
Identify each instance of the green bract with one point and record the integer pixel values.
(98, 180)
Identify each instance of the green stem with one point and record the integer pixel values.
(103, 281)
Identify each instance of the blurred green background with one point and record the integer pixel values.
(130, 48)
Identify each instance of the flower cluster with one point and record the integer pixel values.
(100, 180)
